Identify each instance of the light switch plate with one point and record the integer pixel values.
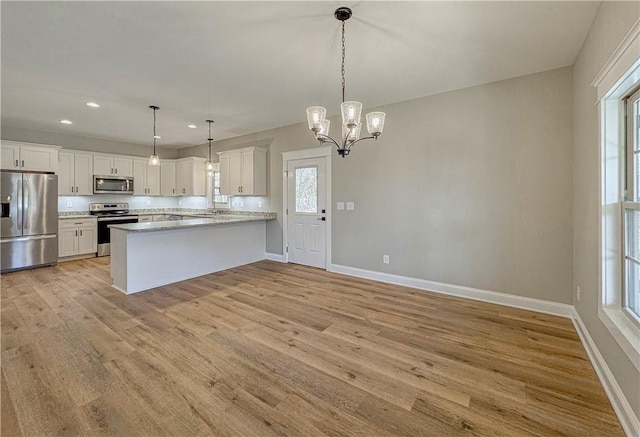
(351, 206)
(69, 204)
(259, 203)
(340, 206)
(148, 202)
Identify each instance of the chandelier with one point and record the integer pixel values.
(154, 159)
(319, 124)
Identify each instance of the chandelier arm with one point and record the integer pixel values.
(327, 138)
(373, 137)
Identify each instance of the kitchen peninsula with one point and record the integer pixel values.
(149, 255)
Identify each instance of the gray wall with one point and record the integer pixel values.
(471, 187)
(613, 21)
(82, 143)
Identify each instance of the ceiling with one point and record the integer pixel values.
(252, 66)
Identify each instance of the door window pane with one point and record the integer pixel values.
(306, 182)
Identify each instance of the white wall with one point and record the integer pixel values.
(613, 21)
(471, 187)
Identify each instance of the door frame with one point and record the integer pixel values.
(316, 152)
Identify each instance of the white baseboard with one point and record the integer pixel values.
(275, 257)
(526, 303)
(629, 421)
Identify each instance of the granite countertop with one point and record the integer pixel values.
(186, 212)
(75, 216)
(190, 223)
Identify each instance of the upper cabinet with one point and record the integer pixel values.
(115, 165)
(190, 177)
(75, 173)
(243, 172)
(146, 178)
(28, 157)
(168, 178)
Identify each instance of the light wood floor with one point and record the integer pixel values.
(274, 349)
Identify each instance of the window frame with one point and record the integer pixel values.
(618, 79)
(631, 202)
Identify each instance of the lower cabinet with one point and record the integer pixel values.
(77, 237)
(145, 218)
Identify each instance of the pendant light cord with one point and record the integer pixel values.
(342, 71)
(154, 131)
(210, 139)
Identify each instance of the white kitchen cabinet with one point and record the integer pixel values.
(168, 178)
(243, 172)
(146, 178)
(75, 173)
(159, 217)
(191, 176)
(28, 157)
(115, 165)
(77, 237)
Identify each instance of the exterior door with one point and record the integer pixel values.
(306, 204)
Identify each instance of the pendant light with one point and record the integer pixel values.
(319, 124)
(154, 159)
(208, 166)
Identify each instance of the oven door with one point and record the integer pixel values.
(104, 233)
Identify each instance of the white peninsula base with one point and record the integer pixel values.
(145, 260)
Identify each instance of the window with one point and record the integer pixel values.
(306, 182)
(631, 298)
(617, 88)
(217, 200)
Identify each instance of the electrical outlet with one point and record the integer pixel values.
(578, 293)
(69, 204)
(179, 202)
(259, 203)
(385, 259)
(148, 202)
(340, 206)
(351, 206)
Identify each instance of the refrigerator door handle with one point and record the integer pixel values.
(25, 206)
(19, 200)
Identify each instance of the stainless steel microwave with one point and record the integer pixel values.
(112, 185)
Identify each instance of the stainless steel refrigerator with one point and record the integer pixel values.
(29, 220)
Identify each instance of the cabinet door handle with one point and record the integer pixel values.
(76, 189)
(81, 232)
(116, 171)
(17, 165)
(23, 162)
(76, 233)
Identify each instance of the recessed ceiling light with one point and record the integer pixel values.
(192, 126)
(66, 121)
(157, 137)
(92, 104)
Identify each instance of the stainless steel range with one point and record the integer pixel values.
(109, 214)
